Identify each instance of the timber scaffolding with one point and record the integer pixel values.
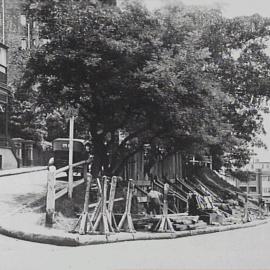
(104, 219)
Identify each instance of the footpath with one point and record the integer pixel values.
(20, 189)
(21, 171)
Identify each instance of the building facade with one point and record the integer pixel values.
(7, 157)
(13, 34)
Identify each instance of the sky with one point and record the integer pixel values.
(232, 8)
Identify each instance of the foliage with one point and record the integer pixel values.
(243, 176)
(168, 78)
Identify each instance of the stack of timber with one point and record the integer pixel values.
(180, 222)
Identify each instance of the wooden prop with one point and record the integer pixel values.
(98, 204)
(126, 221)
(96, 211)
(165, 224)
(102, 224)
(84, 222)
(111, 216)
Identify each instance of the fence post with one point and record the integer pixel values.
(50, 203)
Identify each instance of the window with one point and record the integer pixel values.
(244, 189)
(252, 189)
(23, 44)
(3, 58)
(23, 20)
(266, 190)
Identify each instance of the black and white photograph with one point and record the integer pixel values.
(134, 134)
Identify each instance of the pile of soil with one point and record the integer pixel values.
(68, 211)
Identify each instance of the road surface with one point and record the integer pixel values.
(240, 249)
(17, 191)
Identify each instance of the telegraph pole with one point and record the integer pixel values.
(70, 160)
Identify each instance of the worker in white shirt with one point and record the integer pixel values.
(153, 201)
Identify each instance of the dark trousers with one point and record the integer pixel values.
(154, 207)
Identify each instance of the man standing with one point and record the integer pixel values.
(153, 201)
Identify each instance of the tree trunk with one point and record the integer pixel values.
(100, 162)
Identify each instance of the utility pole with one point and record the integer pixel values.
(70, 157)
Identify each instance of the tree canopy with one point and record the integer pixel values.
(179, 78)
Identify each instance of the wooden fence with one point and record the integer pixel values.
(134, 168)
(52, 195)
(167, 168)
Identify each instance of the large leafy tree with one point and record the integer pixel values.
(154, 75)
(240, 64)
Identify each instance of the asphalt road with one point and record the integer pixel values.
(239, 249)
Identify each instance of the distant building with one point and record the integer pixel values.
(258, 185)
